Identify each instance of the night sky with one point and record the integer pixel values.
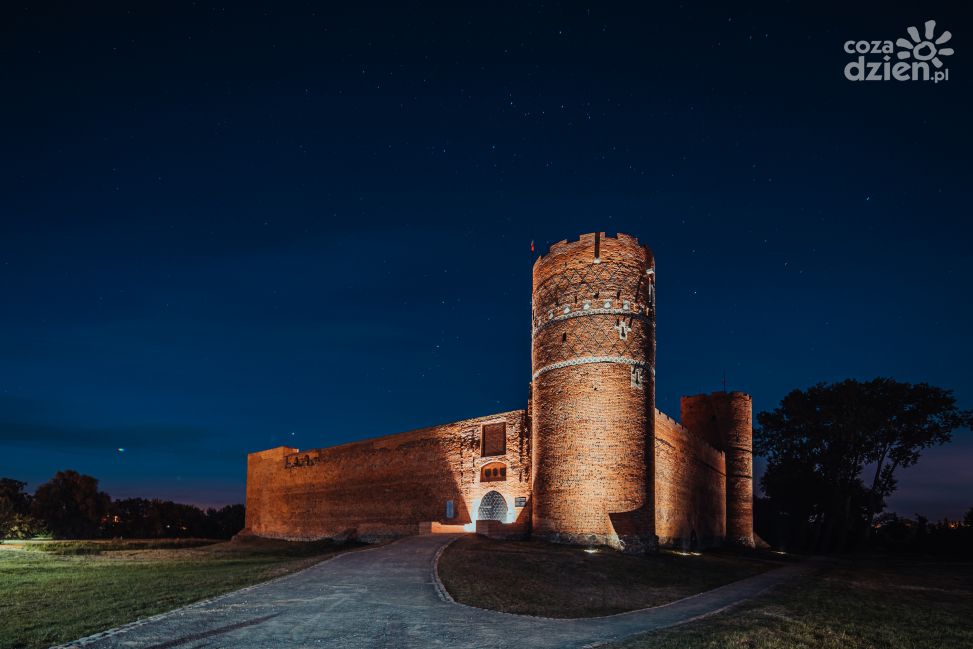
(225, 229)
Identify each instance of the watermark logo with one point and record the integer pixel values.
(920, 57)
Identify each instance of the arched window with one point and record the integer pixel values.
(493, 472)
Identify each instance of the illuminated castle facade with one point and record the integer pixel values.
(589, 460)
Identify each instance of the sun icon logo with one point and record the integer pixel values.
(925, 49)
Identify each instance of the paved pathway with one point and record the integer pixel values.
(386, 597)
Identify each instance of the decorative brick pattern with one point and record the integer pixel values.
(584, 360)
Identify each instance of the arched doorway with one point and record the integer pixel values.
(492, 508)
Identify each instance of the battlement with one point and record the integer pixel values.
(585, 241)
(277, 452)
(688, 433)
(659, 414)
(719, 394)
(612, 277)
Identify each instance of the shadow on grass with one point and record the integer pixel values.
(849, 604)
(536, 578)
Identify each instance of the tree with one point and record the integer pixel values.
(141, 518)
(224, 522)
(819, 441)
(14, 508)
(13, 492)
(136, 518)
(7, 516)
(70, 505)
(903, 420)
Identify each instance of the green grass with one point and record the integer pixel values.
(537, 578)
(865, 604)
(97, 547)
(49, 598)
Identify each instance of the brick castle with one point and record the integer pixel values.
(589, 461)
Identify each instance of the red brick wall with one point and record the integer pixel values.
(690, 484)
(593, 357)
(726, 418)
(384, 487)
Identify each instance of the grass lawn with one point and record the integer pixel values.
(550, 580)
(56, 592)
(894, 604)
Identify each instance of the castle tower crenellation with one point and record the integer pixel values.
(593, 392)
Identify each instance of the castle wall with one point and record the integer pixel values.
(726, 418)
(690, 487)
(388, 486)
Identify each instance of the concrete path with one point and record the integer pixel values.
(387, 597)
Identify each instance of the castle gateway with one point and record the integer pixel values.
(589, 461)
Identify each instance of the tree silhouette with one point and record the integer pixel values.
(70, 505)
(143, 518)
(12, 492)
(819, 441)
(15, 518)
(905, 419)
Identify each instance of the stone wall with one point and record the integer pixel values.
(387, 487)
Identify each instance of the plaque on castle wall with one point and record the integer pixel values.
(520, 501)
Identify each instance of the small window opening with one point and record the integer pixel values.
(494, 439)
(493, 472)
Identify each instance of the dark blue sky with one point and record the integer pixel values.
(224, 229)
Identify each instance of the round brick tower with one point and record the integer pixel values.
(725, 420)
(593, 393)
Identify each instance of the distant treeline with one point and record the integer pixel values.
(920, 535)
(70, 506)
(890, 532)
